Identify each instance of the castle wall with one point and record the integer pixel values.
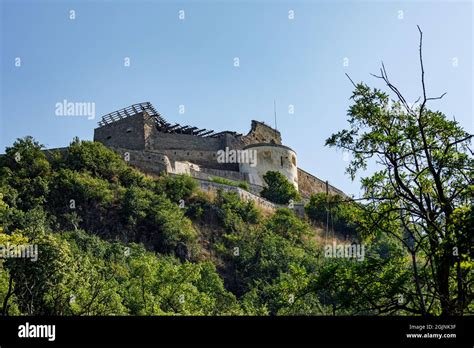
(147, 161)
(138, 132)
(185, 147)
(243, 194)
(261, 133)
(208, 173)
(158, 141)
(309, 184)
(206, 185)
(206, 159)
(154, 152)
(125, 133)
(231, 141)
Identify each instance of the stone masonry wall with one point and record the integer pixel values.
(243, 194)
(138, 132)
(227, 174)
(146, 161)
(206, 159)
(126, 133)
(308, 184)
(158, 141)
(261, 133)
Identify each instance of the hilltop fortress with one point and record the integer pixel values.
(150, 143)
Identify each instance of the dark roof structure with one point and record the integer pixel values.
(162, 125)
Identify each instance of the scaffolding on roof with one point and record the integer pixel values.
(161, 124)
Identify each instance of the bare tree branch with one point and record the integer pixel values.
(351, 80)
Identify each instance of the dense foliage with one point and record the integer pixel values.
(339, 213)
(421, 192)
(112, 241)
(278, 189)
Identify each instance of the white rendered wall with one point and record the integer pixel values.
(271, 158)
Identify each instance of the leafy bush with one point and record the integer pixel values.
(24, 174)
(99, 161)
(317, 207)
(79, 274)
(233, 212)
(286, 224)
(279, 190)
(156, 221)
(342, 214)
(179, 187)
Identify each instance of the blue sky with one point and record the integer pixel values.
(190, 62)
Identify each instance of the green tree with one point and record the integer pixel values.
(24, 174)
(424, 177)
(180, 187)
(235, 213)
(100, 162)
(279, 190)
(380, 283)
(286, 224)
(8, 301)
(80, 199)
(342, 213)
(154, 220)
(36, 281)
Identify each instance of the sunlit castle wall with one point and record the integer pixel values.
(271, 157)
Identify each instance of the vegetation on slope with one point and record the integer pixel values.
(113, 241)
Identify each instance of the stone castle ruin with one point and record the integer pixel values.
(152, 144)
